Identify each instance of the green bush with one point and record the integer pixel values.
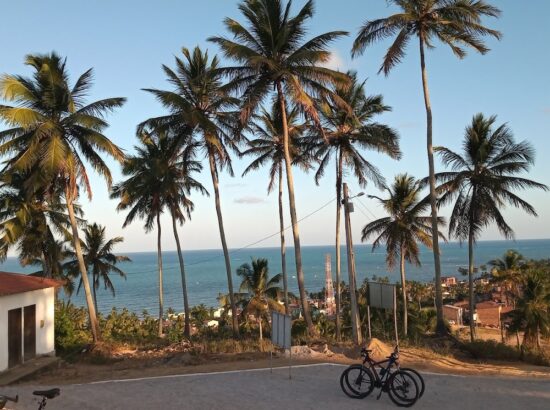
(72, 330)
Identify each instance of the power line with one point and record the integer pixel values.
(250, 244)
(365, 207)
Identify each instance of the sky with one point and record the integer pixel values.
(126, 41)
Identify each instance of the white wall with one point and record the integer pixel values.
(44, 301)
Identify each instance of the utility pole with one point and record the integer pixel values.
(355, 323)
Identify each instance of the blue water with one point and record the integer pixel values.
(206, 276)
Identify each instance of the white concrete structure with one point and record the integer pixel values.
(26, 318)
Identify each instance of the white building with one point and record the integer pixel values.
(26, 318)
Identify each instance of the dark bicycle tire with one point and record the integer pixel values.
(350, 387)
(406, 379)
(419, 380)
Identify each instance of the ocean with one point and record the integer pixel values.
(206, 276)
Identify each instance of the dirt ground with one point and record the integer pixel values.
(130, 364)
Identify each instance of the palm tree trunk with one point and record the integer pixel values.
(261, 334)
(187, 324)
(94, 324)
(159, 261)
(293, 217)
(339, 172)
(440, 328)
(283, 247)
(472, 303)
(94, 288)
(46, 267)
(404, 290)
(215, 182)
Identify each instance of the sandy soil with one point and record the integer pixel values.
(129, 364)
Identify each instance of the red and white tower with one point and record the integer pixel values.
(330, 301)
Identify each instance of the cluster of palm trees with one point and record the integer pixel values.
(275, 101)
(527, 284)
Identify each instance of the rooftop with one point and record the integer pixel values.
(14, 283)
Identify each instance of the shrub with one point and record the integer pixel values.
(72, 330)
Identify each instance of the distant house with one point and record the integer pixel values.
(26, 318)
(448, 281)
(489, 313)
(453, 314)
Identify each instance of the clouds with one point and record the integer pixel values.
(235, 185)
(249, 200)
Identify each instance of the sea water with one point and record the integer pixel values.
(206, 273)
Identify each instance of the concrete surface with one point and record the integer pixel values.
(26, 369)
(312, 387)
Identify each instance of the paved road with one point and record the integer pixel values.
(312, 387)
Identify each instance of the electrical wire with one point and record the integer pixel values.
(250, 244)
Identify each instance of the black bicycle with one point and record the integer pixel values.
(404, 386)
(44, 394)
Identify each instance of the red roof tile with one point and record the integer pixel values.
(13, 283)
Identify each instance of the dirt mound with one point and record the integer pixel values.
(380, 350)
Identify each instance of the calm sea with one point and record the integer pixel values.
(206, 276)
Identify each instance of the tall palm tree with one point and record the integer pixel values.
(159, 179)
(268, 147)
(179, 183)
(54, 133)
(259, 294)
(199, 102)
(455, 23)
(272, 52)
(482, 182)
(99, 258)
(346, 132)
(403, 229)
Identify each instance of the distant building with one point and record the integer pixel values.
(448, 281)
(330, 301)
(26, 318)
(489, 313)
(453, 314)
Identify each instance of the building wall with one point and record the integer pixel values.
(489, 316)
(453, 313)
(44, 301)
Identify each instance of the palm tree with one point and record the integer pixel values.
(532, 313)
(29, 223)
(54, 133)
(99, 258)
(481, 182)
(179, 183)
(403, 229)
(346, 132)
(199, 102)
(159, 178)
(455, 23)
(274, 53)
(508, 270)
(268, 146)
(258, 293)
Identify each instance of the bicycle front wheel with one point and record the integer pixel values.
(357, 381)
(403, 389)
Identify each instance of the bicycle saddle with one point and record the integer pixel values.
(49, 394)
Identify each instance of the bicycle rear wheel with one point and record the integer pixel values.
(403, 389)
(357, 381)
(419, 380)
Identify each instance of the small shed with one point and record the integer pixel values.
(26, 318)
(453, 314)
